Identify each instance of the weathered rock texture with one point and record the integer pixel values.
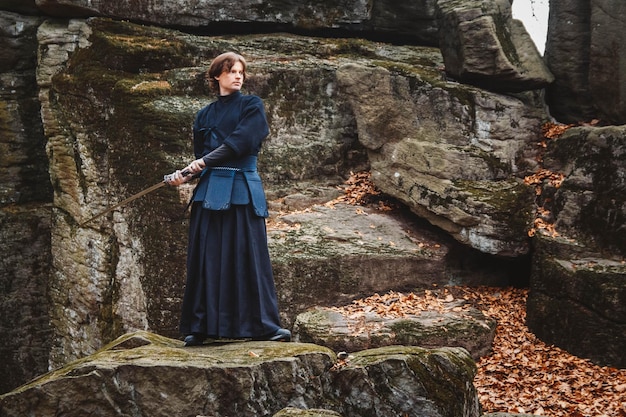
(585, 52)
(577, 301)
(453, 154)
(143, 374)
(117, 100)
(482, 45)
(590, 204)
(330, 255)
(341, 331)
(578, 285)
(25, 206)
(117, 103)
(414, 21)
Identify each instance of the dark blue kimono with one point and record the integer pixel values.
(230, 285)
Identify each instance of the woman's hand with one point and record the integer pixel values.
(176, 178)
(195, 167)
(179, 177)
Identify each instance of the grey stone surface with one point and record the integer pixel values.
(482, 45)
(145, 374)
(350, 332)
(585, 52)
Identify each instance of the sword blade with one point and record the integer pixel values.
(141, 193)
(128, 200)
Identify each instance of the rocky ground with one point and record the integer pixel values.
(522, 374)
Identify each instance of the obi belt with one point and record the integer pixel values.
(236, 182)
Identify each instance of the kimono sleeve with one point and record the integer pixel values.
(251, 129)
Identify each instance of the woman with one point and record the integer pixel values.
(230, 286)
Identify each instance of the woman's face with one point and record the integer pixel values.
(231, 81)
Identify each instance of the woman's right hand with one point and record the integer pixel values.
(176, 178)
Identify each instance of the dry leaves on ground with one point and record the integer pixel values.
(523, 374)
(360, 190)
(396, 304)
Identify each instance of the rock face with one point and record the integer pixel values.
(130, 116)
(576, 301)
(578, 284)
(590, 203)
(329, 255)
(453, 154)
(333, 255)
(482, 45)
(113, 103)
(415, 22)
(25, 206)
(585, 52)
(250, 379)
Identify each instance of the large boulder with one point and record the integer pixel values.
(483, 45)
(27, 7)
(585, 52)
(326, 256)
(414, 21)
(590, 202)
(145, 374)
(300, 412)
(331, 254)
(577, 301)
(578, 281)
(607, 54)
(455, 155)
(344, 330)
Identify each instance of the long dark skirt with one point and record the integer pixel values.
(230, 289)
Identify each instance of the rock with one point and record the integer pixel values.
(585, 52)
(577, 286)
(25, 208)
(24, 271)
(482, 45)
(410, 21)
(577, 301)
(590, 203)
(24, 174)
(125, 271)
(250, 379)
(330, 255)
(607, 53)
(466, 183)
(97, 78)
(27, 7)
(341, 331)
(507, 415)
(406, 377)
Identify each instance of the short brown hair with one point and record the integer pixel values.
(222, 63)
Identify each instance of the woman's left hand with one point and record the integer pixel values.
(195, 167)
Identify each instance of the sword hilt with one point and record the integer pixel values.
(170, 177)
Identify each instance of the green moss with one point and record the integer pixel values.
(144, 348)
(513, 202)
(135, 48)
(411, 71)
